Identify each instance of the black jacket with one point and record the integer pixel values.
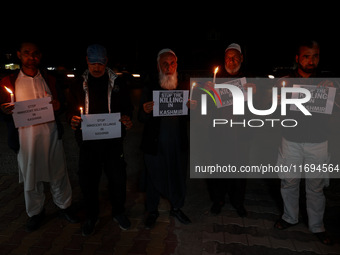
(152, 124)
(120, 102)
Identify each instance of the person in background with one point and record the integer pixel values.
(98, 91)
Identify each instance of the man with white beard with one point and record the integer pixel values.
(164, 144)
(168, 78)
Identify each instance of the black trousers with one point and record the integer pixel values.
(96, 156)
(166, 176)
(235, 188)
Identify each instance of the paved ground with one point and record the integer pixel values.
(223, 234)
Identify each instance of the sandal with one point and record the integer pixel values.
(324, 238)
(281, 224)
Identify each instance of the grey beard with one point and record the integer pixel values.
(168, 82)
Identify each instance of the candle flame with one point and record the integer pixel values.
(80, 108)
(9, 91)
(283, 83)
(216, 70)
(194, 84)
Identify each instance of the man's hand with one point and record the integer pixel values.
(75, 122)
(250, 85)
(126, 122)
(192, 104)
(148, 106)
(7, 108)
(209, 85)
(326, 84)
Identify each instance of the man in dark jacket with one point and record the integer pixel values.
(237, 138)
(101, 91)
(164, 144)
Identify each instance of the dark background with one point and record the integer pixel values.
(198, 33)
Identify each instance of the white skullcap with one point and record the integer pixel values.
(234, 46)
(165, 51)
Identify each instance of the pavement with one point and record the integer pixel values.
(223, 234)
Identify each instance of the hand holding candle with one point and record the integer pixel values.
(7, 108)
(76, 120)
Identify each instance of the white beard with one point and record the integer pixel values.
(168, 82)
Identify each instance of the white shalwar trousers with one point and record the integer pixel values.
(61, 193)
(292, 153)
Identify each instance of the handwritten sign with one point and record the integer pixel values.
(322, 99)
(170, 102)
(101, 126)
(33, 112)
(226, 95)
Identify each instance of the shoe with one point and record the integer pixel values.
(324, 238)
(35, 221)
(281, 224)
(88, 227)
(216, 208)
(151, 219)
(69, 215)
(123, 221)
(180, 216)
(241, 211)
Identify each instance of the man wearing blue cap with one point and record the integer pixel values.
(100, 91)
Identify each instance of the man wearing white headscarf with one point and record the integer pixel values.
(164, 144)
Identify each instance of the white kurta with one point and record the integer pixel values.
(41, 156)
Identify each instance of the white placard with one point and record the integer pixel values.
(170, 102)
(226, 95)
(101, 126)
(33, 112)
(322, 99)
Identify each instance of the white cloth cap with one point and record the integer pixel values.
(234, 46)
(165, 51)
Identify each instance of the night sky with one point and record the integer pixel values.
(199, 36)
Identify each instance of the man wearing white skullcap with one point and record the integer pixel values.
(233, 59)
(164, 145)
(239, 141)
(165, 51)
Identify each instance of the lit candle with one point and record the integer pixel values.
(215, 72)
(192, 89)
(283, 84)
(81, 110)
(11, 93)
